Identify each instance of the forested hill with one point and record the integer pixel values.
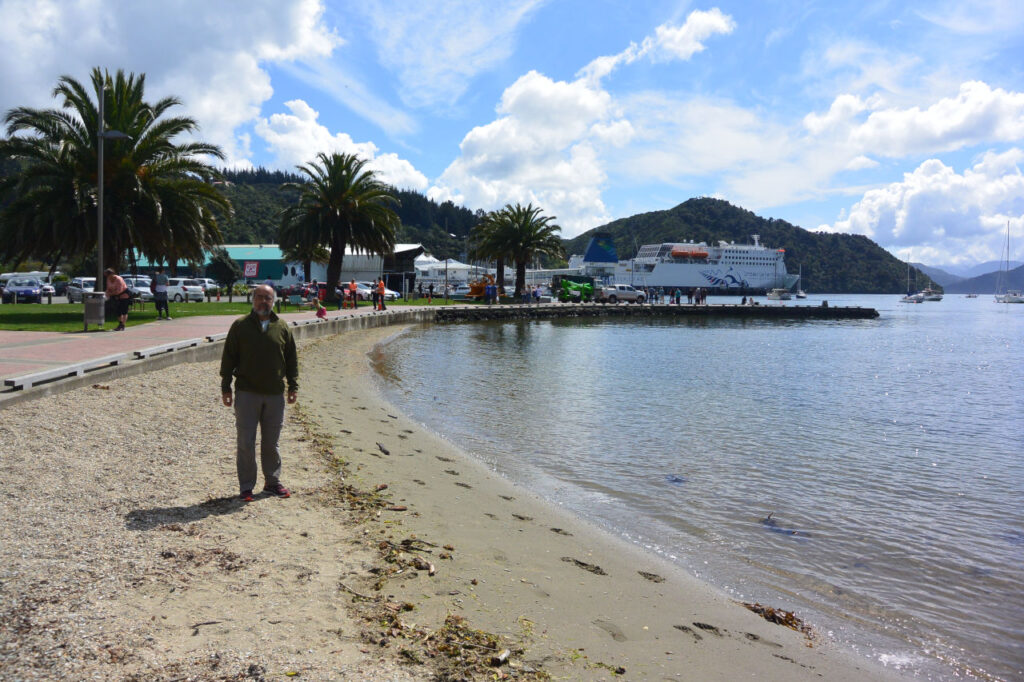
(832, 263)
(258, 199)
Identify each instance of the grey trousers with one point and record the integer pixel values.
(266, 412)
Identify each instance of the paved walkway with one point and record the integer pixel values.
(26, 352)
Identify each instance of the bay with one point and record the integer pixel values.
(867, 474)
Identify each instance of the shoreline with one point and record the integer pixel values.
(518, 556)
(127, 555)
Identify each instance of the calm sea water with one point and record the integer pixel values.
(889, 455)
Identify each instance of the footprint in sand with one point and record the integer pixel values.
(418, 481)
(408, 431)
(612, 629)
(756, 638)
(463, 485)
(708, 628)
(506, 497)
(346, 431)
(593, 568)
(402, 436)
(561, 532)
(493, 516)
(653, 577)
(445, 459)
(522, 518)
(453, 472)
(689, 631)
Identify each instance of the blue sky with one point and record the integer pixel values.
(903, 120)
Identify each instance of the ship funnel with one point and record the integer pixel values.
(756, 238)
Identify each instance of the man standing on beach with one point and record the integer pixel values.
(260, 354)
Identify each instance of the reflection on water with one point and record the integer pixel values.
(865, 473)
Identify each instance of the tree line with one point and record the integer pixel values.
(107, 146)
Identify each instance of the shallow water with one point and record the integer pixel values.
(867, 474)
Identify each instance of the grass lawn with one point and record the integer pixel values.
(68, 317)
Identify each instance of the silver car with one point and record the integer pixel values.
(139, 287)
(78, 285)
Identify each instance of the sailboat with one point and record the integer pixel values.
(1004, 295)
(911, 297)
(778, 293)
(800, 284)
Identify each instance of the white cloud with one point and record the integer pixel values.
(542, 150)
(551, 141)
(212, 56)
(297, 138)
(960, 217)
(668, 43)
(437, 47)
(861, 163)
(980, 17)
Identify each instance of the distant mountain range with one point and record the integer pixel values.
(982, 281)
(950, 274)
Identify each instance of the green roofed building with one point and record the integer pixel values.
(261, 262)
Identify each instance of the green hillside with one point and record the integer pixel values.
(832, 263)
(258, 200)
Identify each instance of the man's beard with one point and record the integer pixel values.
(263, 310)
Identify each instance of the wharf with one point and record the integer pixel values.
(723, 310)
(33, 364)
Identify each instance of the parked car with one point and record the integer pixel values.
(292, 290)
(206, 283)
(363, 292)
(614, 293)
(23, 290)
(389, 294)
(181, 289)
(47, 290)
(77, 286)
(139, 287)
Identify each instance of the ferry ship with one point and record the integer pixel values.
(726, 266)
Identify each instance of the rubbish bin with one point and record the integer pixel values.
(93, 302)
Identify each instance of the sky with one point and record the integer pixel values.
(902, 121)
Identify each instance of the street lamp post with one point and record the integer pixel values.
(102, 134)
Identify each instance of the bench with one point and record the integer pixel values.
(167, 348)
(77, 369)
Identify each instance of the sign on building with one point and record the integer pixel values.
(252, 268)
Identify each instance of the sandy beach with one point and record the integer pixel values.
(125, 554)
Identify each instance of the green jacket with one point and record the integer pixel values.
(261, 361)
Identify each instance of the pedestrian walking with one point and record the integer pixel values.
(260, 357)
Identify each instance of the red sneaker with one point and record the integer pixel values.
(246, 496)
(277, 489)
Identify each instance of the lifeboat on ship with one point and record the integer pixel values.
(688, 252)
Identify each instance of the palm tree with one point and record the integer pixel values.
(518, 233)
(340, 205)
(489, 240)
(159, 195)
